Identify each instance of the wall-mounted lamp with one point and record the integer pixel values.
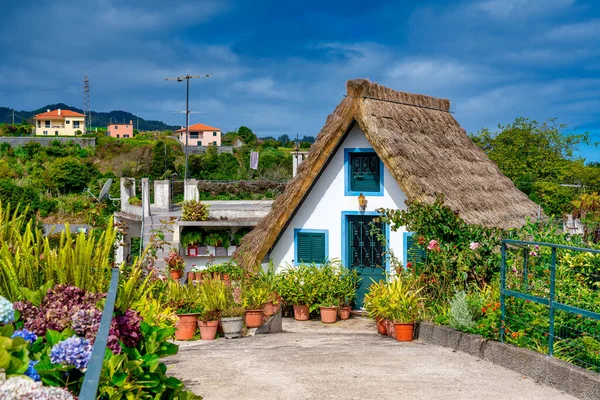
(362, 202)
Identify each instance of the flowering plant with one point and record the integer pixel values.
(175, 261)
(7, 312)
(73, 351)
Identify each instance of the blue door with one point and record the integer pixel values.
(365, 253)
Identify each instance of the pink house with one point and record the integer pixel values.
(121, 131)
(200, 135)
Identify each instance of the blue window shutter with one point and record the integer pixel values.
(415, 253)
(311, 247)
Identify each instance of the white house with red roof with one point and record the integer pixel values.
(59, 123)
(200, 135)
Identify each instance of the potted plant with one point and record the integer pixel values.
(299, 286)
(214, 298)
(232, 319)
(404, 307)
(190, 239)
(254, 297)
(237, 240)
(197, 273)
(347, 291)
(329, 309)
(185, 300)
(175, 264)
(375, 304)
(194, 210)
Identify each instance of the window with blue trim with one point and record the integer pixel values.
(364, 172)
(414, 252)
(311, 246)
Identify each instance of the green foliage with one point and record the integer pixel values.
(191, 236)
(460, 315)
(69, 174)
(28, 260)
(538, 158)
(255, 295)
(194, 210)
(398, 300)
(214, 297)
(163, 161)
(14, 355)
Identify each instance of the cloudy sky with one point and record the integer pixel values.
(280, 67)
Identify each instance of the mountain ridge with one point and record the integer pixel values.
(99, 119)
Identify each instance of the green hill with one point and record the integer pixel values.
(99, 119)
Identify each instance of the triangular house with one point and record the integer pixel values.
(390, 146)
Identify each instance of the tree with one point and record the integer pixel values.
(69, 174)
(538, 158)
(284, 140)
(246, 134)
(163, 160)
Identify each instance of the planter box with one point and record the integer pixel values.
(210, 250)
(231, 250)
(221, 251)
(192, 251)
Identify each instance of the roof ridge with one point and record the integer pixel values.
(364, 88)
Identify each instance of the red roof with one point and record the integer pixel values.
(199, 128)
(54, 114)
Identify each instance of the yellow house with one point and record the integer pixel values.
(59, 123)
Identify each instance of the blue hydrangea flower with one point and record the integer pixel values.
(31, 371)
(7, 312)
(74, 351)
(25, 334)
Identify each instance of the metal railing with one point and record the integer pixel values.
(549, 305)
(91, 380)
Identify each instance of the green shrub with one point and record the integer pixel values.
(194, 210)
(69, 174)
(47, 207)
(460, 316)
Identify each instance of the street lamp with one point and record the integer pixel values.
(187, 78)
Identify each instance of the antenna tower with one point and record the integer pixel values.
(86, 101)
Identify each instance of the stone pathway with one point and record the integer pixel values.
(346, 360)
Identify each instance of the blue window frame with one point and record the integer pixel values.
(311, 246)
(363, 172)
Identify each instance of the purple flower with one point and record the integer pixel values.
(74, 351)
(25, 334)
(86, 322)
(129, 328)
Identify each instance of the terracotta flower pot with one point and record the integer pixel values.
(232, 327)
(186, 326)
(301, 312)
(226, 277)
(344, 313)
(198, 276)
(208, 329)
(190, 276)
(254, 318)
(269, 308)
(176, 274)
(389, 326)
(276, 308)
(404, 331)
(381, 328)
(328, 315)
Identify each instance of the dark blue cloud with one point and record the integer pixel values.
(280, 67)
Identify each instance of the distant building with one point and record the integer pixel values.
(200, 135)
(120, 131)
(59, 123)
(238, 142)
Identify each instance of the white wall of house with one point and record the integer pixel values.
(66, 126)
(323, 207)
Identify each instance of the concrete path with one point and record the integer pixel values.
(346, 360)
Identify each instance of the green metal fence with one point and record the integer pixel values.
(91, 379)
(549, 295)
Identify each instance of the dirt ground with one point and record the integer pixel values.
(345, 360)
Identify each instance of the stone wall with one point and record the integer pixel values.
(45, 141)
(541, 368)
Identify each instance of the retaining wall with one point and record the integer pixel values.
(539, 367)
(45, 141)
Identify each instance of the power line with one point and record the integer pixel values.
(187, 78)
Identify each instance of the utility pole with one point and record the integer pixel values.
(187, 111)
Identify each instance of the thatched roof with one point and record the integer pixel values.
(424, 148)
